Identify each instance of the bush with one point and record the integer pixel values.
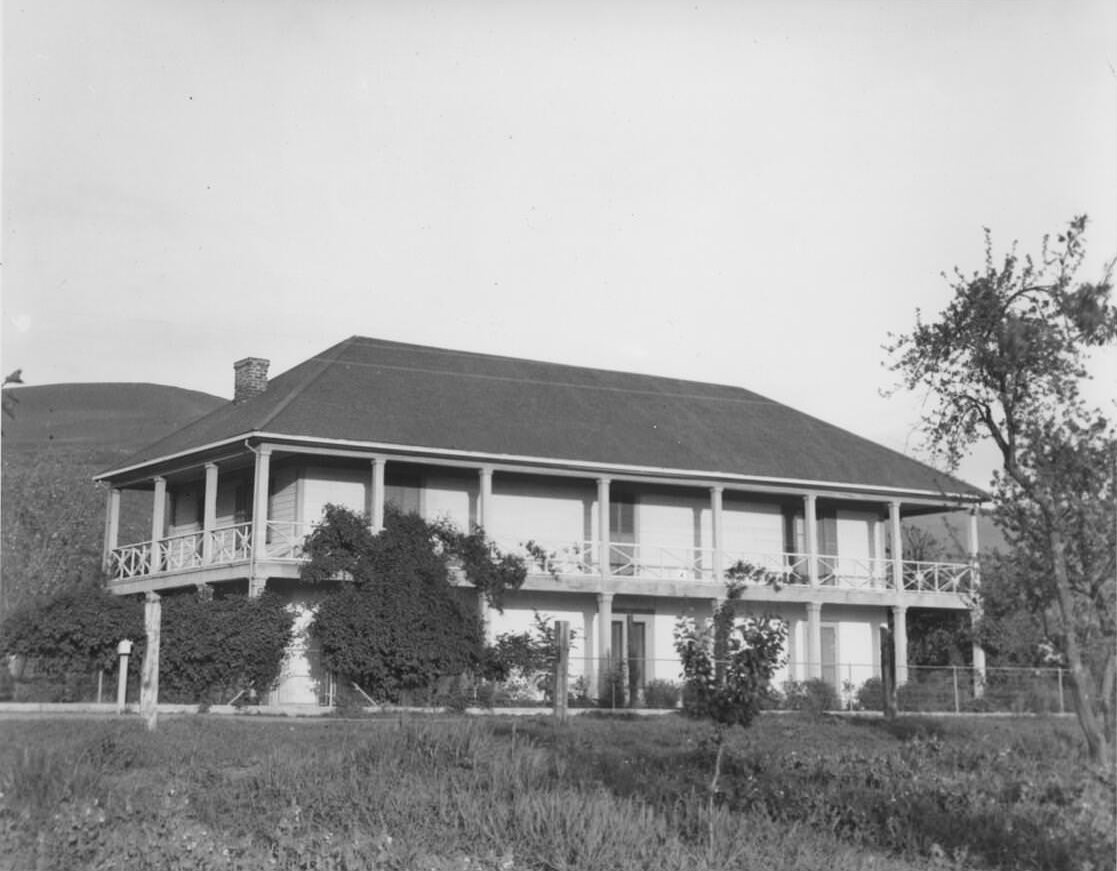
(870, 695)
(813, 696)
(74, 632)
(662, 694)
(213, 650)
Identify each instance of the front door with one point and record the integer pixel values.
(630, 657)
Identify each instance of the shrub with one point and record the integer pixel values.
(74, 632)
(870, 695)
(662, 694)
(212, 650)
(813, 696)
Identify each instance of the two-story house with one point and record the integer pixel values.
(642, 490)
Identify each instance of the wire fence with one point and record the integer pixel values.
(646, 683)
(651, 683)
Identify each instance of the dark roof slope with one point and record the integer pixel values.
(370, 390)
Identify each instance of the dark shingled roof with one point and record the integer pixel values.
(368, 390)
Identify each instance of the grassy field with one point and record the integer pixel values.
(599, 793)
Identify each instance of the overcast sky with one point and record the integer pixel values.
(747, 193)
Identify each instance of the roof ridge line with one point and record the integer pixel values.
(294, 393)
(753, 396)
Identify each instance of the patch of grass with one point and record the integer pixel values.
(600, 793)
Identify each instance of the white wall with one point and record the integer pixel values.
(324, 485)
(556, 513)
(453, 497)
(753, 530)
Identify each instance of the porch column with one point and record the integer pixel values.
(972, 545)
(158, 509)
(810, 536)
(973, 548)
(257, 581)
(900, 639)
(112, 525)
(897, 538)
(209, 513)
(604, 640)
(603, 554)
(719, 532)
(376, 495)
(814, 640)
(485, 498)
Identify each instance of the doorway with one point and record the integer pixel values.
(629, 664)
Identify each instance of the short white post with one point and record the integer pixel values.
(123, 650)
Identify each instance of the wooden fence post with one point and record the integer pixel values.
(888, 672)
(149, 680)
(562, 641)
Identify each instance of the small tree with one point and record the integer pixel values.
(529, 655)
(1004, 361)
(728, 662)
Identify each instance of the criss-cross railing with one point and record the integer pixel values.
(927, 577)
(284, 541)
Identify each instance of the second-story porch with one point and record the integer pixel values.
(246, 517)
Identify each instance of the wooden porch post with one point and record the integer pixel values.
(975, 614)
(209, 513)
(257, 581)
(814, 640)
(717, 522)
(112, 526)
(810, 536)
(485, 497)
(900, 639)
(158, 522)
(484, 516)
(897, 539)
(603, 553)
(604, 641)
(376, 495)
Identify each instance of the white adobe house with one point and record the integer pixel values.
(642, 489)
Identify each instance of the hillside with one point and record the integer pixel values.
(59, 436)
(103, 422)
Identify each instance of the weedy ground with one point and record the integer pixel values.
(596, 794)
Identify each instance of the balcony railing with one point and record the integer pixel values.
(284, 542)
(225, 546)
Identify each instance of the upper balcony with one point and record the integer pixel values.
(229, 552)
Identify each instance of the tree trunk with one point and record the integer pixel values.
(1097, 741)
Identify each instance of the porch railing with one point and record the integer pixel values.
(284, 542)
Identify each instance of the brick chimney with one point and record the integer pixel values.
(250, 378)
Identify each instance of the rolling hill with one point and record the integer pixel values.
(102, 421)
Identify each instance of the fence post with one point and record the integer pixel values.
(149, 682)
(562, 641)
(1062, 707)
(888, 672)
(957, 704)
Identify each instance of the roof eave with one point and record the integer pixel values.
(972, 498)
